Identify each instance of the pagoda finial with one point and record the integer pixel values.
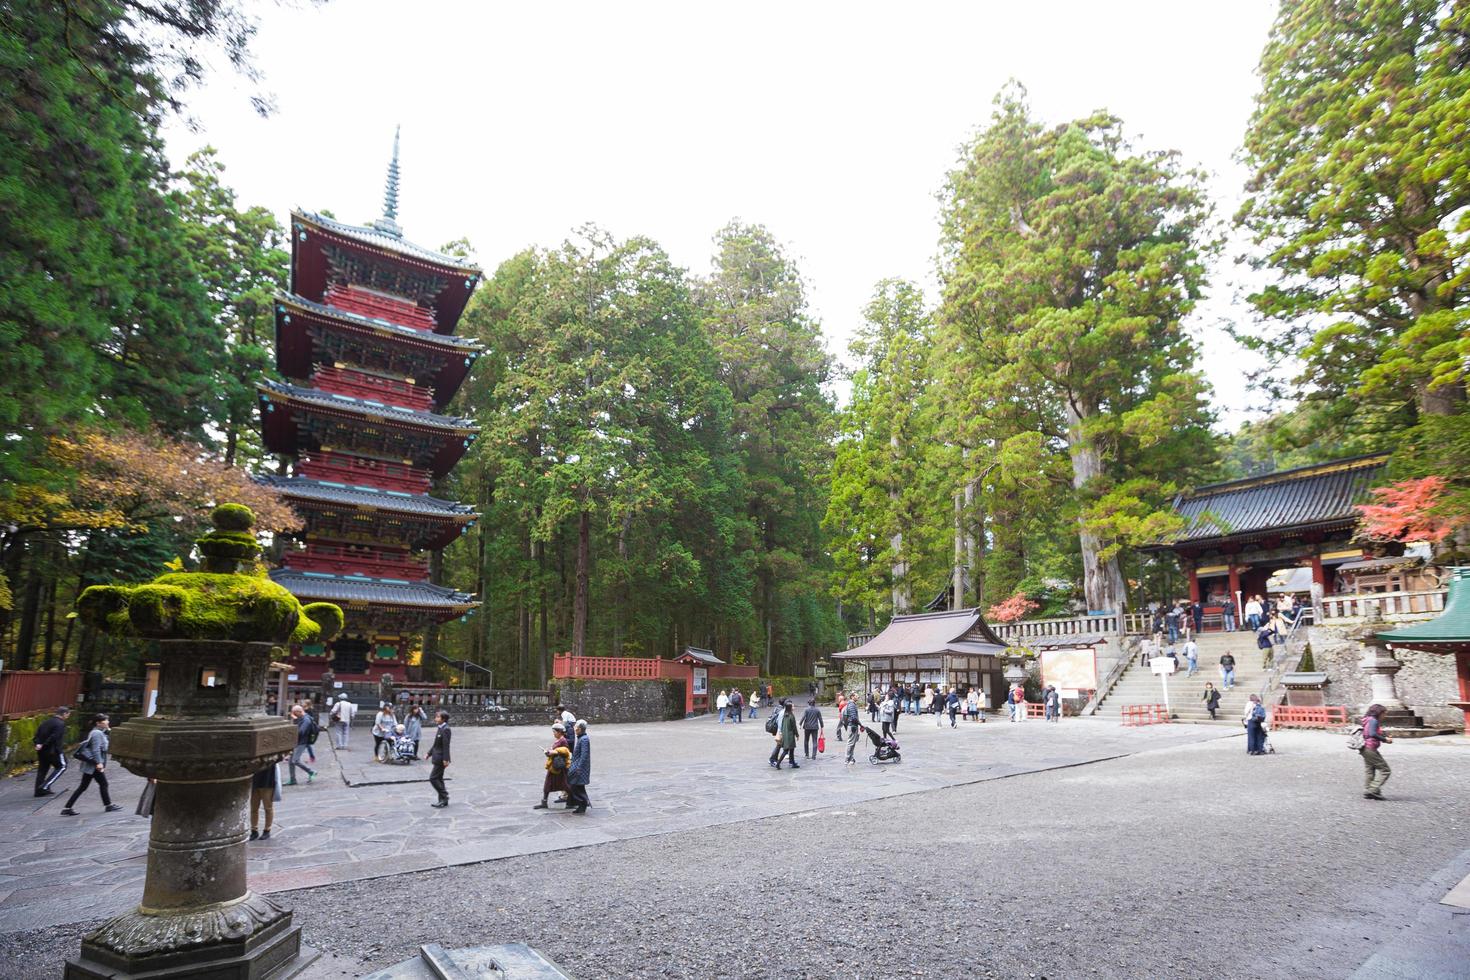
(388, 223)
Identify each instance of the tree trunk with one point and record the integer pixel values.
(975, 540)
(902, 596)
(1102, 581)
(30, 612)
(542, 646)
(50, 642)
(1444, 400)
(584, 575)
(620, 603)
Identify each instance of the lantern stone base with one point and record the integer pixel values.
(252, 939)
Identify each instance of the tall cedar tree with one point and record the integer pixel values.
(1360, 200)
(1068, 261)
(241, 261)
(891, 493)
(772, 360)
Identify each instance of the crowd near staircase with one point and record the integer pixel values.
(1139, 685)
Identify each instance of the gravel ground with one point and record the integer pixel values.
(1193, 861)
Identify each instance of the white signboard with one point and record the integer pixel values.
(701, 681)
(337, 684)
(1067, 693)
(1162, 665)
(1075, 669)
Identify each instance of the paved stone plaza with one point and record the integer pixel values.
(1114, 852)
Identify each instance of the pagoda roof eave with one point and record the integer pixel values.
(313, 399)
(347, 318)
(392, 246)
(1449, 632)
(417, 506)
(388, 593)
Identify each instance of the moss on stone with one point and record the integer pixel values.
(232, 517)
(219, 603)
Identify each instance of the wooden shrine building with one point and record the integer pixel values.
(950, 649)
(1238, 534)
(366, 340)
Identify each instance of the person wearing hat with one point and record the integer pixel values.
(558, 761)
(51, 750)
(342, 714)
(569, 722)
(579, 773)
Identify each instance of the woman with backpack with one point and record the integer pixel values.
(1376, 770)
(558, 761)
(92, 754)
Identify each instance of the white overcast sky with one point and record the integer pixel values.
(833, 124)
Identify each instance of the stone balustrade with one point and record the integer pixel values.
(1391, 606)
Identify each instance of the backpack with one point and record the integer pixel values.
(313, 731)
(1355, 739)
(773, 723)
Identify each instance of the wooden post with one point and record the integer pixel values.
(1193, 585)
(1235, 591)
(1319, 574)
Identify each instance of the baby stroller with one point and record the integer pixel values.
(885, 747)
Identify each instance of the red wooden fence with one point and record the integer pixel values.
(1308, 716)
(26, 692)
(606, 668)
(1145, 714)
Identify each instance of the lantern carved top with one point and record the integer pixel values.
(230, 598)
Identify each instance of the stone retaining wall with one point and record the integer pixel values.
(1425, 684)
(609, 702)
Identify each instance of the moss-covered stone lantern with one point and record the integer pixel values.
(215, 629)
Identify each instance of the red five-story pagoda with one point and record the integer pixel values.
(366, 339)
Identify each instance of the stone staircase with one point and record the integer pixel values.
(1139, 685)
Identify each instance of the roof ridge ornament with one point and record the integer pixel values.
(388, 223)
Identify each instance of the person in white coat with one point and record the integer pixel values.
(722, 704)
(342, 714)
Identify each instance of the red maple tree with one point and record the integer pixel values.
(1407, 511)
(1012, 609)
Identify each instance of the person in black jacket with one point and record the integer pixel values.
(811, 726)
(439, 756)
(50, 750)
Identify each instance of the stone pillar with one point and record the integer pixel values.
(198, 917)
(1380, 667)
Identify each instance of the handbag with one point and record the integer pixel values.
(821, 743)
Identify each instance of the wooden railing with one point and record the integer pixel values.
(25, 692)
(606, 668)
(1388, 605)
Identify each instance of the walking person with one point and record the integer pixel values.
(952, 704)
(722, 705)
(1227, 613)
(1018, 703)
(1174, 619)
(439, 756)
(849, 719)
(1227, 670)
(305, 728)
(786, 735)
(92, 754)
(341, 716)
(1053, 701)
(1197, 613)
(897, 707)
(50, 745)
(413, 727)
(558, 761)
(1255, 726)
(1191, 653)
(737, 705)
(1376, 771)
(755, 700)
(580, 773)
(265, 790)
(885, 716)
(872, 705)
(812, 726)
(1211, 698)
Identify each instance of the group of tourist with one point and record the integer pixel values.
(730, 704)
(91, 755)
(568, 763)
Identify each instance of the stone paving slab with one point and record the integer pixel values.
(648, 779)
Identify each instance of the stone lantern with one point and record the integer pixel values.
(1379, 666)
(215, 629)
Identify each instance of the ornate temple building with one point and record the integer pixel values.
(366, 340)
(1237, 535)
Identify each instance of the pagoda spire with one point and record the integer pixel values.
(388, 223)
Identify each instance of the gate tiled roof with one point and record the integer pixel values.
(1323, 496)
